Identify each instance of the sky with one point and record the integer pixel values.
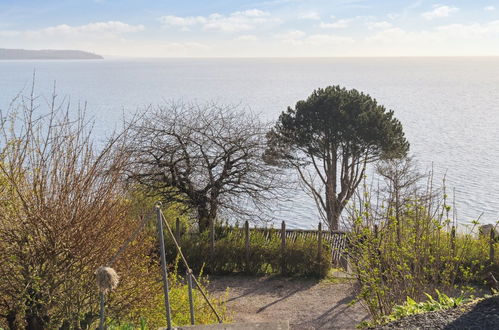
(239, 28)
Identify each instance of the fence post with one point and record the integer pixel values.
(177, 230)
(283, 248)
(319, 244)
(164, 272)
(491, 245)
(191, 300)
(247, 244)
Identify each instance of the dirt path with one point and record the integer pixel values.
(307, 304)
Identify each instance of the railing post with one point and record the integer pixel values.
(319, 244)
(283, 248)
(247, 244)
(491, 245)
(102, 311)
(164, 272)
(191, 300)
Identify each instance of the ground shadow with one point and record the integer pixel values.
(334, 317)
(484, 315)
(251, 285)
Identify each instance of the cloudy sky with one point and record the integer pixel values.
(239, 28)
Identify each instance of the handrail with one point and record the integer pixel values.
(189, 270)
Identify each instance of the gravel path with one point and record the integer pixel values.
(307, 304)
(483, 314)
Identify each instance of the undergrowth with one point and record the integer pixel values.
(405, 242)
(152, 315)
(265, 255)
(411, 307)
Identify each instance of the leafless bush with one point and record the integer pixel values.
(63, 213)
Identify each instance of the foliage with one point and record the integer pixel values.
(402, 254)
(411, 307)
(152, 314)
(329, 138)
(63, 213)
(265, 255)
(65, 210)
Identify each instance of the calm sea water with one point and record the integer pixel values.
(449, 107)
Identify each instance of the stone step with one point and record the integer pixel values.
(283, 325)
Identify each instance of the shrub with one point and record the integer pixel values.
(390, 270)
(65, 210)
(152, 314)
(411, 307)
(410, 247)
(265, 255)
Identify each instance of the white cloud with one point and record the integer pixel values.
(489, 8)
(100, 37)
(398, 36)
(378, 25)
(183, 22)
(327, 39)
(393, 16)
(291, 37)
(10, 33)
(312, 15)
(97, 30)
(251, 13)
(234, 22)
(300, 38)
(441, 40)
(295, 34)
(247, 37)
(471, 31)
(339, 24)
(111, 26)
(439, 12)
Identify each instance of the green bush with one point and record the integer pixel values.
(424, 258)
(406, 244)
(265, 255)
(152, 314)
(411, 307)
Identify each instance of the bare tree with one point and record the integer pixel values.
(206, 157)
(401, 178)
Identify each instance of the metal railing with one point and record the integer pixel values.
(189, 275)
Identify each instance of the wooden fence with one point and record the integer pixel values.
(337, 239)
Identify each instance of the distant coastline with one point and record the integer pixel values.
(46, 54)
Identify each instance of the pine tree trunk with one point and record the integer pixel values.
(332, 210)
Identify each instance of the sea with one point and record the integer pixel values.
(449, 106)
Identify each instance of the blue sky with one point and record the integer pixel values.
(237, 28)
